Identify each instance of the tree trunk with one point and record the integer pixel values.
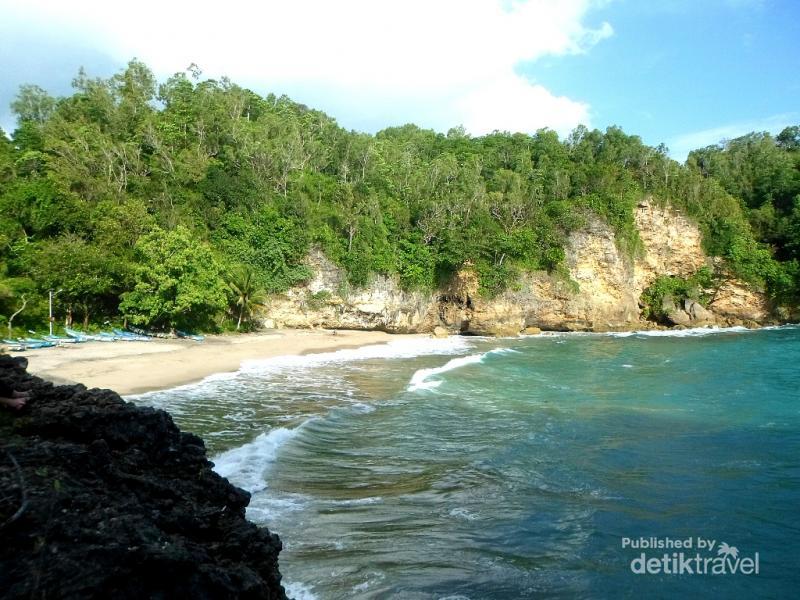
(11, 318)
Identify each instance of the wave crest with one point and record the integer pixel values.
(245, 466)
(421, 379)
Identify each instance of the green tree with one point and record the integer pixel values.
(257, 181)
(178, 282)
(33, 104)
(90, 278)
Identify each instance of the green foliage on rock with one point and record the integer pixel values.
(272, 246)
(252, 182)
(756, 181)
(675, 289)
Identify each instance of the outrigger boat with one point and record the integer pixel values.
(36, 343)
(15, 345)
(57, 339)
(28, 344)
(87, 337)
(131, 337)
(150, 334)
(190, 336)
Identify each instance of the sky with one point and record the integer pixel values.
(687, 73)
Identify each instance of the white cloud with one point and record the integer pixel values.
(435, 62)
(512, 103)
(681, 145)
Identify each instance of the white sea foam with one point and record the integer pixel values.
(421, 379)
(245, 466)
(692, 332)
(208, 380)
(462, 513)
(359, 501)
(402, 348)
(299, 591)
(268, 509)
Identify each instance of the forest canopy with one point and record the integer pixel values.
(176, 204)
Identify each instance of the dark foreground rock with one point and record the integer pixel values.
(101, 499)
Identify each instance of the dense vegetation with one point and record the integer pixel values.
(183, 204)
(676, 289)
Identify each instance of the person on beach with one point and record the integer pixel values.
(11, 398)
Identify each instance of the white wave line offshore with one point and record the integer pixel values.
(421, 380)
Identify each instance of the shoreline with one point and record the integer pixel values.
(131, 368)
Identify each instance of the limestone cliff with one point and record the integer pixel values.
(326, 301)
(599, 291)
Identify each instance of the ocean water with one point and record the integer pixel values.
(473, 468)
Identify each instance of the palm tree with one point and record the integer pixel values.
(726, 550)
(247, 294)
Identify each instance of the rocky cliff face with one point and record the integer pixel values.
(672, 245)
(734, 303)
(599, 292)
(326, 302)
(101, 499)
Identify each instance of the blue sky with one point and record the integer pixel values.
(687, 73)
(684, 73)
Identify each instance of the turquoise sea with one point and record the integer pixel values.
(474, 468)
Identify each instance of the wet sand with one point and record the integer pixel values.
(137, 367)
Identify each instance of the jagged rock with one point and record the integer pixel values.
(440, 332)
(102, 499)
(675, 315)
(691, 313)
(679, 317)
(496, 330)
(698, 313)
(673, 245)
(735, 300)
(668, 304)
(531, 331)
(382, 305)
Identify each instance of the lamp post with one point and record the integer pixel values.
(52, 295)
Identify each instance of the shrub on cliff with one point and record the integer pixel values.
(673, 289)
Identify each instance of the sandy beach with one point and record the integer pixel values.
(137, 367)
